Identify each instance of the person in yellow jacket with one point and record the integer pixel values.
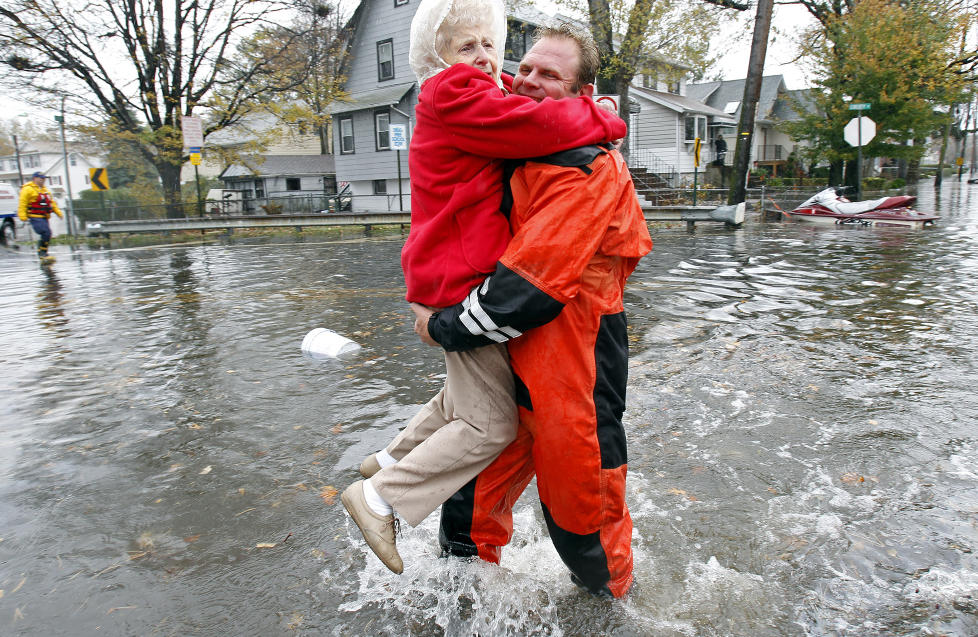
(36, 206)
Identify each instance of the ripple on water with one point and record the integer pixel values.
(800, 418)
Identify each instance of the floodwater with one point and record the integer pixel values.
(803, 449)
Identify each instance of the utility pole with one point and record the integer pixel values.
(748, 107)
(64, 155)
(20, 171)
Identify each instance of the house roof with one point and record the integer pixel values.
(48, 147)
(719, 94)
(784, 109)
(531, 15)
(277, 165)
(244, 130)
(385, 96)
(702, 91)
(680, 103)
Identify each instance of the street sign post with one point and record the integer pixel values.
(399, 142)
(860, 130)
(98, 178)
(194, 152)
(696, 166)
(193, 132)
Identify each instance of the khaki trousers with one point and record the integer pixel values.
(454, 436)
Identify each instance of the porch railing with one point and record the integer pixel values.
(645, 158)
(769, 152)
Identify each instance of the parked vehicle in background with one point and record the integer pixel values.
(828, 206)
(8, 215)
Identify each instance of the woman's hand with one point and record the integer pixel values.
(421, 315)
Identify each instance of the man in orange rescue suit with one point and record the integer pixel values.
(578, 233)
(36, 206)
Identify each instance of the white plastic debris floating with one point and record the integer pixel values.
(324, 343)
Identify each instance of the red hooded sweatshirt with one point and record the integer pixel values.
(465, 127)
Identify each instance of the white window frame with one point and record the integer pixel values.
(385, 58)
(382, 130)
(346, 122)
(699, 128)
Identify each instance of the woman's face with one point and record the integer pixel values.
(474, 47)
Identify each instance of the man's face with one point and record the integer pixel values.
(549, 69)
(39, 181)
(475, 48)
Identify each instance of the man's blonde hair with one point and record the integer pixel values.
(590, 59)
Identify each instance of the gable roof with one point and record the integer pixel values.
(680, 103)
(277, 165)
(702, 92)
(719, 94)
(784, 108)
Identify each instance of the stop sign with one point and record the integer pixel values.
(853, 135)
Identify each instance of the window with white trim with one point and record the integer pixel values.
(346, 135)
(382, 129)
(695, 126)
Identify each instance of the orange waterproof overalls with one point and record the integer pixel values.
(578, 233)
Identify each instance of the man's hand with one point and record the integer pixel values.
(607, 105)
(421, 315)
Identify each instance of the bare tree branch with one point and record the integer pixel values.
(142, 63)
(729, 4)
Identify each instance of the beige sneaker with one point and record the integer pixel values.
(369, 466)
(378, 530)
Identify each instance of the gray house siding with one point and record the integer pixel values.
(654, 127)
(381, 21)
(358, 171)
(366, 163)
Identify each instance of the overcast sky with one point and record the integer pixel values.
(788, 21)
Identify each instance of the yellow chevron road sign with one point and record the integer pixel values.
(99, 178)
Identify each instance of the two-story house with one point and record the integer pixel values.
(771, 146)
(49, 158)
(665, 123)
(382, 91)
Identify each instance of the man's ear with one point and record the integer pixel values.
(587, 90)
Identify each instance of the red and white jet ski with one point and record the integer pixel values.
(828, 206)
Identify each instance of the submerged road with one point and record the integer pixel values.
(803, 455)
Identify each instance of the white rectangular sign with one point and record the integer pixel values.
(399, 137)
(193, 132)
(608, 100)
